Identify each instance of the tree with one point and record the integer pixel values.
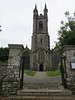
(4, 52)
(66, 32)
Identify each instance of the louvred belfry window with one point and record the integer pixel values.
(40, 25)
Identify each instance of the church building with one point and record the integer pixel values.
(40, 58)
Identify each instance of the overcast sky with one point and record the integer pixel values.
(16, 18)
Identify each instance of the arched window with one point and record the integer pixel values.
(40, 25)
(41, 40)
(40, 55)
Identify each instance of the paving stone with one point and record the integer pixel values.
(42, 81)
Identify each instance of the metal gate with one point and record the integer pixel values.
(63, 71)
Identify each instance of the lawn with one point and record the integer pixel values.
(49, 73)
(53, 73)
(30, 72)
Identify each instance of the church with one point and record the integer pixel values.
(40, 57)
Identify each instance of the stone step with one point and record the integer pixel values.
(43, 92)
(42, 85)
(72, 97)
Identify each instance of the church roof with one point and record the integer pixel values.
(26, 49)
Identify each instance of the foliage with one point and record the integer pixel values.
(30, 73)
(66, 32)
(59, 66)
(4, 52)
(5, 62)
(53, 73)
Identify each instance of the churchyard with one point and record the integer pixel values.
(40, 73)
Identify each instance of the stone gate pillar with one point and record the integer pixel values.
(69, 71)
(11, 82)
(15, 54)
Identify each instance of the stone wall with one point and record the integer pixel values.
(14, 68)
(69, 73)
(11, 79)
(15, 54)
(3, 71)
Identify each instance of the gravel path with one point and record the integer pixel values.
(41, 80)
(41, 77)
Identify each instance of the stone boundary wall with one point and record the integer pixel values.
(9, 75)
(10, 83)
(3, 70)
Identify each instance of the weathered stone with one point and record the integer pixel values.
(40, 58)
(68, 52)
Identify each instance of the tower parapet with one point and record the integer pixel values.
(35, 11)
(40, 22)
(45, 11)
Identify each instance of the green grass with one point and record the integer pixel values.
(49, 73)
(30, 73)
(53, 73)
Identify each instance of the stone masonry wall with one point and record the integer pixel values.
(11, 83)
(3, 70)
(9, 79)
(69, 53)
(15, 54)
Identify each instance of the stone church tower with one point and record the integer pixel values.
(40, 58)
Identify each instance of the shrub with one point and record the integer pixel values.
(30, 72)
